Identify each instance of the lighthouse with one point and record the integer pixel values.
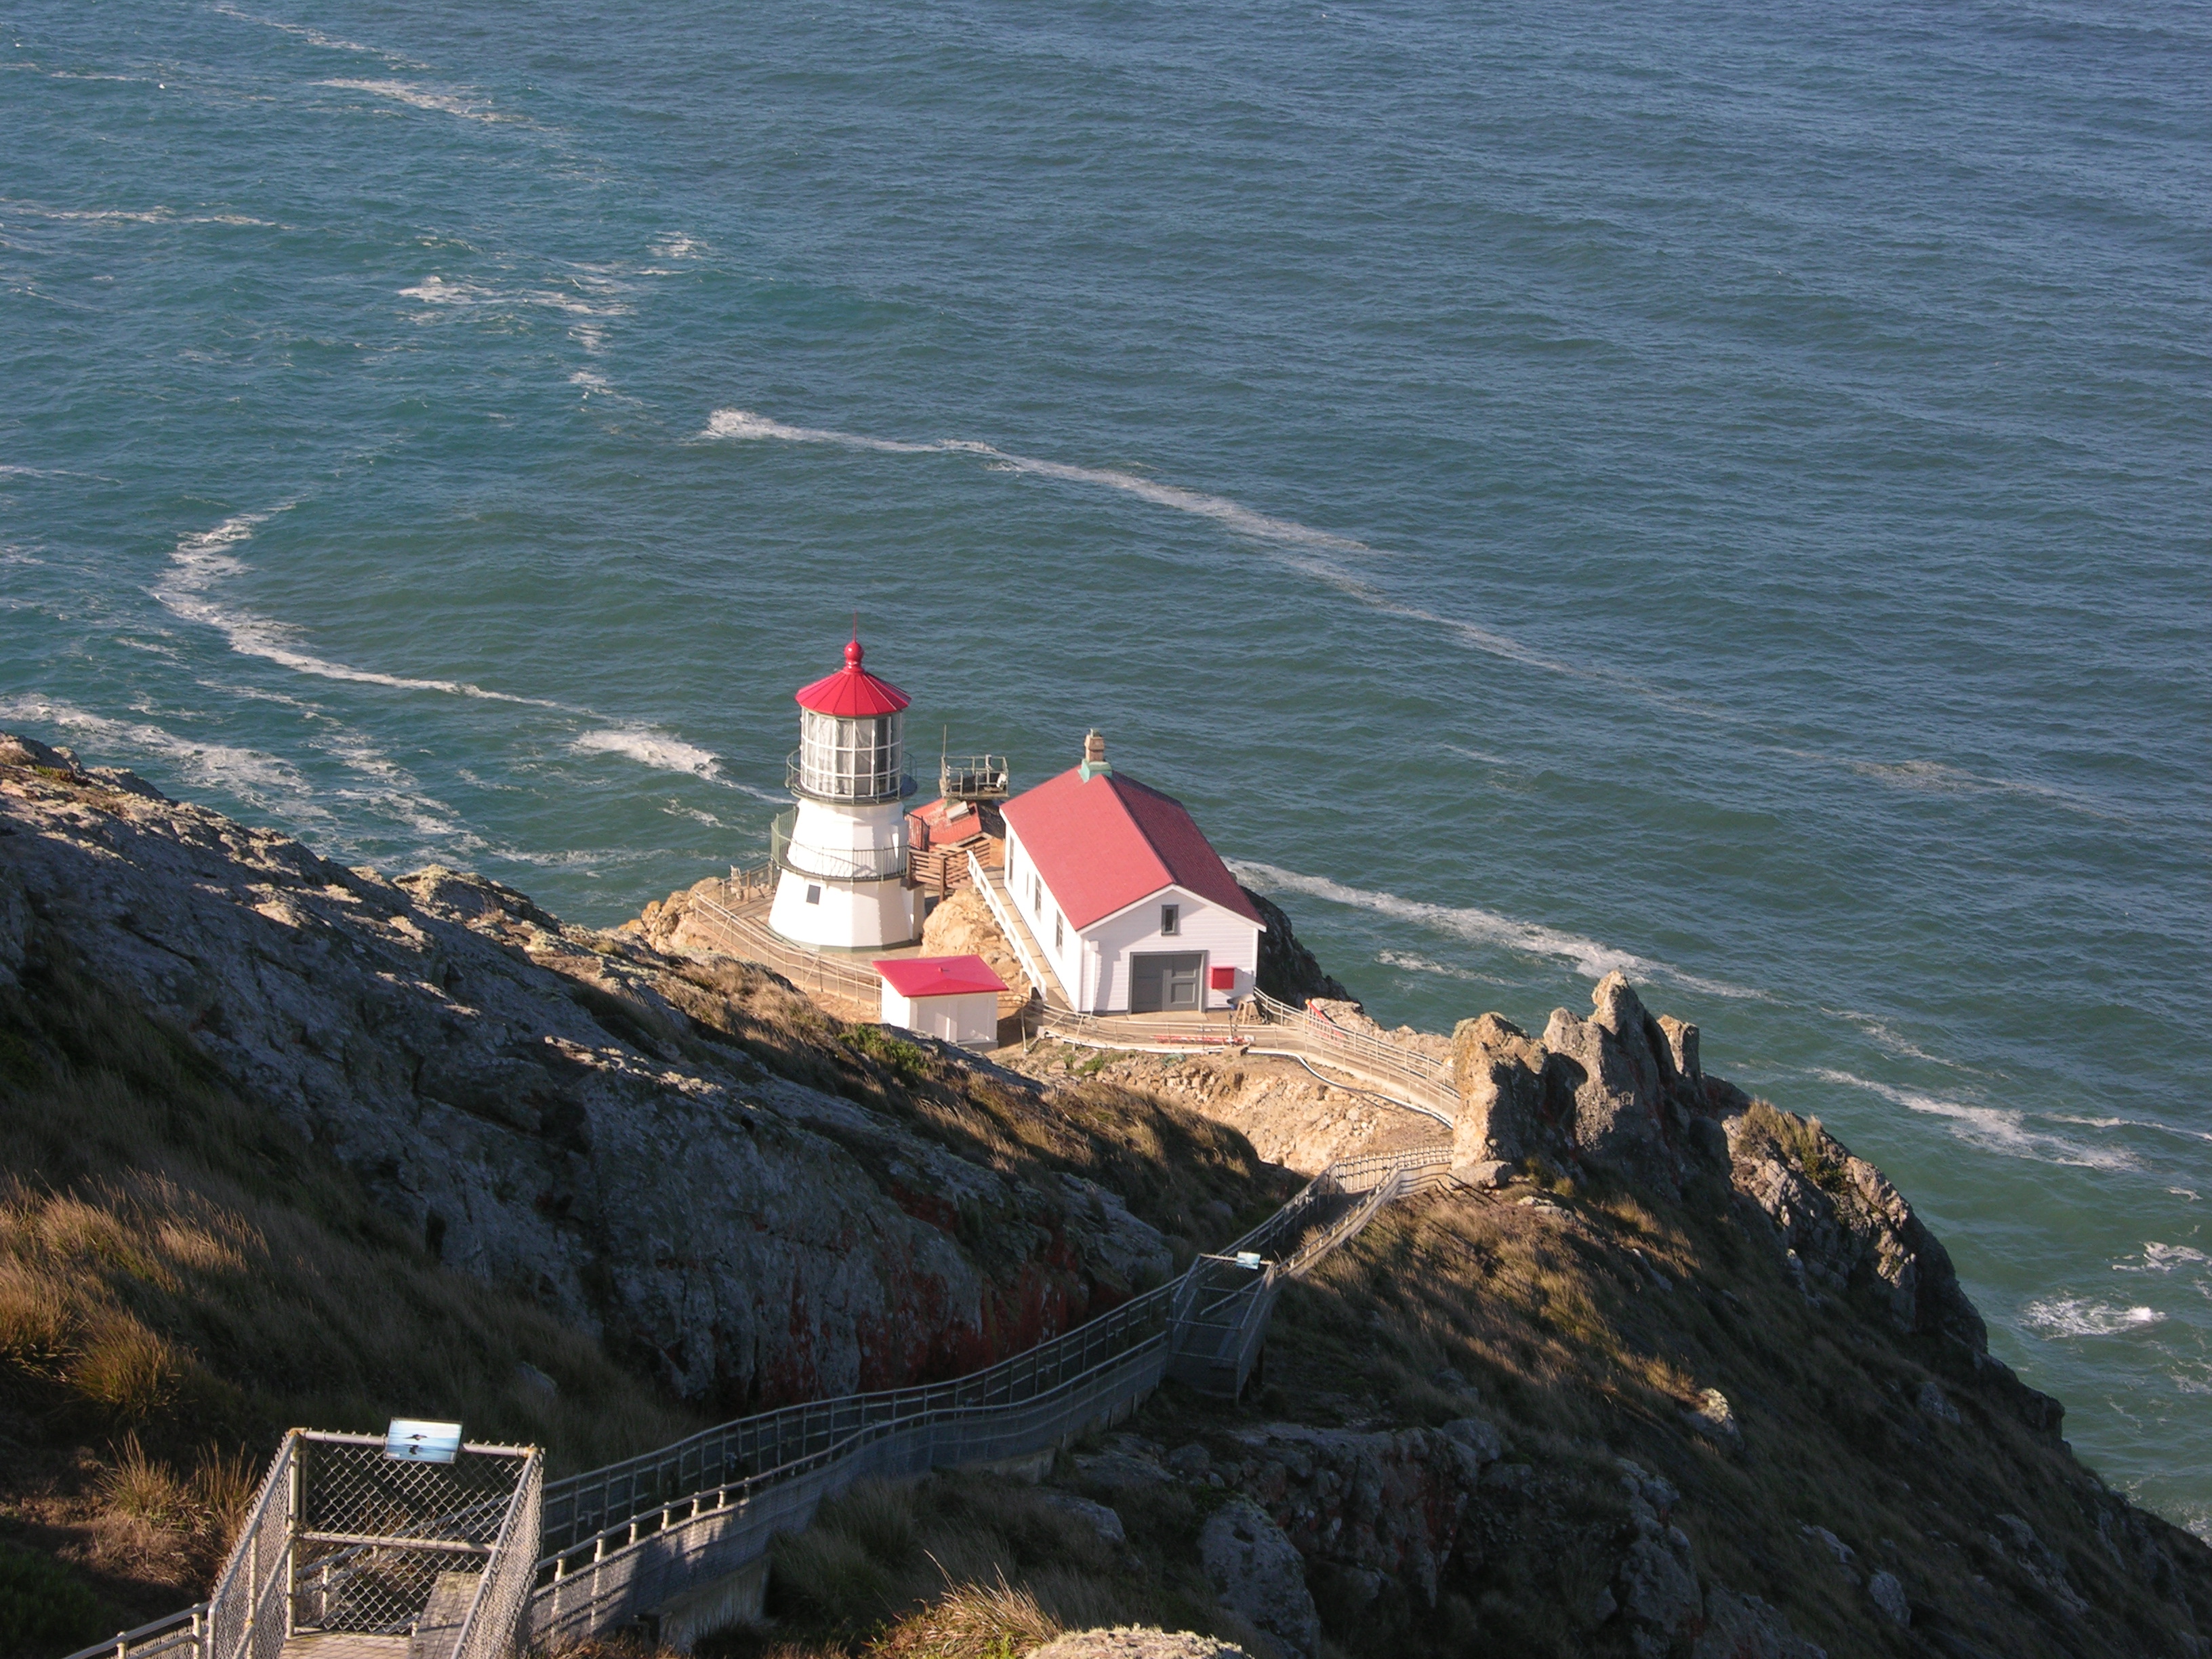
(842, 855)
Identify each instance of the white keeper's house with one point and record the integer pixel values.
(1133, 909)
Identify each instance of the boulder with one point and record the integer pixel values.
(1656, 1587)
(1500, 1073)
(1383, 1501)
(1887, 1594)
(1745, 1627)
(1102, 1520)
(961, 925)
(1288, 971)
(1257, 1573)
(1130, 1642)
(1622, 1067)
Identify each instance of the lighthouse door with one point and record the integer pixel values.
(1159, 980)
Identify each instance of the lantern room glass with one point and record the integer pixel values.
(854, 760)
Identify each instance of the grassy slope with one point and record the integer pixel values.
(1581, 1355)
(181, 1279)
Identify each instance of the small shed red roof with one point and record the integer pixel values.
(851, 693)
(1102, 844)
(939, 976)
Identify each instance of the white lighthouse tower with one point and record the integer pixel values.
(843, 853)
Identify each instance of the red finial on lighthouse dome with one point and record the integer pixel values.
(851, 693)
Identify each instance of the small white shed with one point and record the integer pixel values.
(954, 999)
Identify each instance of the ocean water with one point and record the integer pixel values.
(1719, 492)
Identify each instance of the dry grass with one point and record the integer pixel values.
(181, 1278)
(961, 1566)
(1582, 1354)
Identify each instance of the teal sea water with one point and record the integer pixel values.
(1719, 492)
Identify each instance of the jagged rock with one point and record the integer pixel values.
(1934, 1402)
(1386, 1502)
(1117, 1471)
(962, 925)
(2038, 1561)
(1713, 1416)
(1828, 1540)
(1850, 1229)
(536, 1102)
(1479, 1436)
(1288, 971)
(1101, 1519)
(1745, 1627)
(1623, 1116)
(1888, 1596)
(1258, 1574)
(1658, 1587)
(1503, 1116)
(1131, 1643)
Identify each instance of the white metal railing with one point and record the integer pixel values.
(750, 937)
(622, 1540)
(339, 1537)
(1008, 925)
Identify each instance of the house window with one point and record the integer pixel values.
(813, 894)
(1171, 918)
(1056, 936)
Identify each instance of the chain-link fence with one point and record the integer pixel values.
(342, 1538)
(466, 1556)
(623, 1540)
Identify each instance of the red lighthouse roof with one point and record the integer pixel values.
(851, 693)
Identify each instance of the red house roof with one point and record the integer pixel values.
(939, 976)
(851, 693)
(1102, 844)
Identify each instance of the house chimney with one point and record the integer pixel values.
(1094, 756)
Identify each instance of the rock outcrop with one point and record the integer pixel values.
(1627, 1092)
(1288, 971)
(567, 1112)
(1258, 1574)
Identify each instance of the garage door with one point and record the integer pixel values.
(1161, 981)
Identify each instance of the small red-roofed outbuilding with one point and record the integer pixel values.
(952, 998)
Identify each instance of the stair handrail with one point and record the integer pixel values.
(1007, 927)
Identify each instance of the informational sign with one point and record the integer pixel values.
(1248, 1260)
(411, 1442)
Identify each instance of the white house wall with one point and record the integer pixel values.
(1227, 940)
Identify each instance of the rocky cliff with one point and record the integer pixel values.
(676, 1155)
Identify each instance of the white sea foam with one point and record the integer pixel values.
(314, 36)
(1888, 1037)
(679, 246)
(1443, 969)
(1487, 927)
(2076, 1316)
(676, 809)
(264, 780)
(741, 423)
(202, 561)
(1994, 1128)
(2167, 1258)
(406, 92)
(653, 749)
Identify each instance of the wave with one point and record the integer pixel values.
(744, 424)
(1443, 970)
(262, 780)
(1993, 1128)
(1592, 959)
(662, 753)
(406, 91)
(435, 290)
(315, 36)
(2075, 1316)
(202, 562)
